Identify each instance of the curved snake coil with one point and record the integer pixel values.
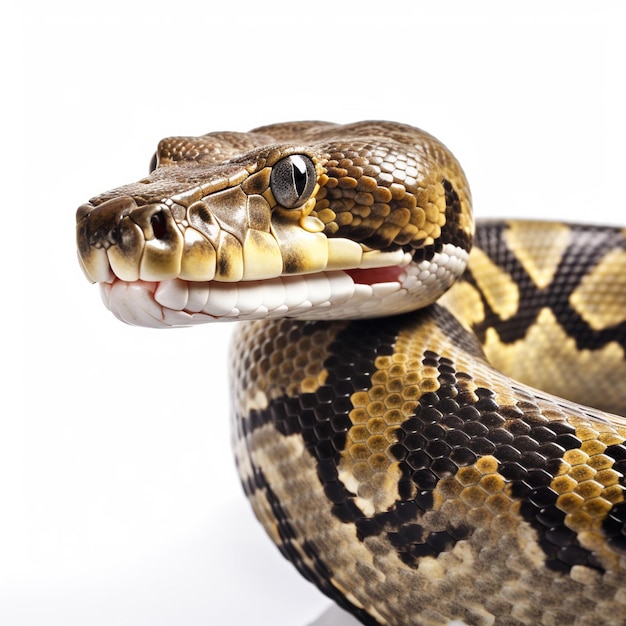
(383, 440)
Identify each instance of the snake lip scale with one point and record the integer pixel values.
(175, 302)
(411, 421)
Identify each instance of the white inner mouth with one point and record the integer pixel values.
(178, 302)
(337, 294)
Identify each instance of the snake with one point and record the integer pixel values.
(427, 409)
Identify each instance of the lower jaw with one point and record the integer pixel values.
(340, 294)
(178, 302)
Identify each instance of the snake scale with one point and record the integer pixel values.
(396, 449)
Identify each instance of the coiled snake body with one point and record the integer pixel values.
(383, 440)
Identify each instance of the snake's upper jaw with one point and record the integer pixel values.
(119, 239)
(157, 269)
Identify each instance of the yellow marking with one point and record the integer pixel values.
(199, 257)
(498, 287)
(343, 253)
(539, 246)
(563, 369)
(478, 495)
(262, 258)
(601, 433)
(303, 251)
(367, 466)
(311, 224)
(600, 298)
(229, 264)
(464, 302)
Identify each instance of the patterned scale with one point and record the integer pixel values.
(387, 455)
(406, 464)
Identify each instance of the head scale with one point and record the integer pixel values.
(309, 220)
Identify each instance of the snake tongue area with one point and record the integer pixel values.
(378, 275)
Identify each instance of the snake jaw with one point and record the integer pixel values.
(346, 294)
(157, 271)
(171, 273)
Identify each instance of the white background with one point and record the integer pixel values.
(119, 501)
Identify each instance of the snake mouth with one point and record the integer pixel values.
(333, 294)
(179, 302)
(156, 270)
(165, 264)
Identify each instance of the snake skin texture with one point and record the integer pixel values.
(397, 450)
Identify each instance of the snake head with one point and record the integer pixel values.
(308, 220)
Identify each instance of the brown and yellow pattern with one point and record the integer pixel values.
(418, 468)
(207, 210)
(414, 484)
(566, 336)
(438, 475)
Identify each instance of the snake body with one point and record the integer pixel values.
(396, 449)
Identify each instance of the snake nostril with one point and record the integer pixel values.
(158, 224)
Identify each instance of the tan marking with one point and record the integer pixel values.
(370, 572)
(292, 473)
(500, 567)
(600, 298)
(263, 510)
(198, 262)
(367, 466)
(498, 288)
(539, 246)
(464, 302)
(563, 369)
(477, 493)
(257, 183)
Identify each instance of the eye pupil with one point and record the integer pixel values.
(292, 180)
(299, 174)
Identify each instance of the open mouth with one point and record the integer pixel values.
(153, 272)
(177, 302)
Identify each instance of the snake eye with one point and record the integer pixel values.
(154, 161)
(292, 180)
